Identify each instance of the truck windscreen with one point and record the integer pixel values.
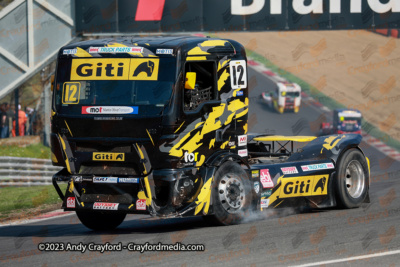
(291, 94)
(140, 86)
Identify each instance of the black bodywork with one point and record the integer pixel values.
(171, 153)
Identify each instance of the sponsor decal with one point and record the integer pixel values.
(314, 167)
(105, 179)
(191, 157)
(70, 51)
(231, 143)
(316, 7)
(71, 92)
(264, 203)
(238, 73)
(87, 69)
(266, 193)
(77, 179)
(242, 153)
(108, 118)
(164, 51)
(128, 180)
(289, 170)
(93, 50)
(98, 156)
(304, 186)
(109, 110)
(105, 206)
(71, 202)
(265, 179)
(255, 173)
(239, 93)
(141, 204)
(350, 113)
(256, 187)
(115, 180)
(119, 49)
(242, 140)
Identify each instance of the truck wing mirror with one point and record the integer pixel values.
(52, 82)
(190, 81)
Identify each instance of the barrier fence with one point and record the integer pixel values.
(16, 171)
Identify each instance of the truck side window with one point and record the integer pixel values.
(205, 84)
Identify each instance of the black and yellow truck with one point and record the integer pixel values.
(158, 126)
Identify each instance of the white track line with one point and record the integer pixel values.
(381, 254)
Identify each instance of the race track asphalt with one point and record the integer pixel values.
(268, 239)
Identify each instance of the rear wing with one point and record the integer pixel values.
(276, 145)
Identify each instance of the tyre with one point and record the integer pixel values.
(231, 195)
(352, 179)
(100, 220)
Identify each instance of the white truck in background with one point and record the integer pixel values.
(287, 96)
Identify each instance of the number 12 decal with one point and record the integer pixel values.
(238, 74)
(71, 92)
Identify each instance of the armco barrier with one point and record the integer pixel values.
(16, 171)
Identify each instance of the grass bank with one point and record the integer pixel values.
(31, 151)
(24, 202)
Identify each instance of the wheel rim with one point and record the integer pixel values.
(231, 193)
(355, 179)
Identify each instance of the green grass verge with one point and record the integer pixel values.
(322, 98)
(32, 151)
(14, 200)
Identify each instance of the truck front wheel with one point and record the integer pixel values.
(231, 194)
(100, 220)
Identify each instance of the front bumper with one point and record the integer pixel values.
(162, 192)
(88, 192)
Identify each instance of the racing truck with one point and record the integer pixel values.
(159, 126)
(345, 121)
(287, 96)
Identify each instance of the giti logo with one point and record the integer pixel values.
(146, 67)
(98, 156)
(191, 157)
(114, 69)
(304, 186)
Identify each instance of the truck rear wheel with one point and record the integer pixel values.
(100, 220)
(352, 179)
(231, 194)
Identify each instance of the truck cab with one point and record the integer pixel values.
(345, 121)
(286, 97)
(135, 119)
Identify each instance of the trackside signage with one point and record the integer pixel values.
(234, 15)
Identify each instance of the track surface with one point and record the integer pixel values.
(268, 239)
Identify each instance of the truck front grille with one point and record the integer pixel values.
(107, 168)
